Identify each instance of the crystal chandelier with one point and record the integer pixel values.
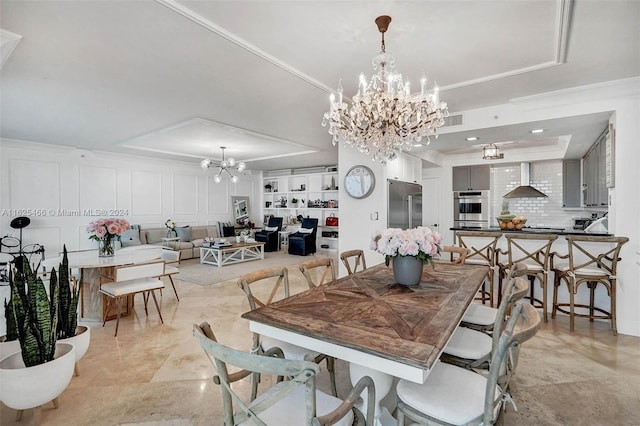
(224, 166)
(384, 117)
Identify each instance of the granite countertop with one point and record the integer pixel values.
(534, 230)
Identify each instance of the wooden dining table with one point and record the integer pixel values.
(381, 328)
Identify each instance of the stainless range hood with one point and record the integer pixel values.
(525, 190)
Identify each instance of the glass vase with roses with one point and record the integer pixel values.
(106, 232)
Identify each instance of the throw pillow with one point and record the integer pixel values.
(131, 237)
(270, 228)
(305, 230)
(184, 233)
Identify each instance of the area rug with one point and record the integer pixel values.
(193, 271)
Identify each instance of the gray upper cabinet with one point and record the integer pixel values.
(571, 183)
(467, 178)
(594, 188)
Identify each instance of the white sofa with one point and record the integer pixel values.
(188, 249)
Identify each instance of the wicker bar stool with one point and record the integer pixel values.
(534, 250)
(481, 248)
(593, 260)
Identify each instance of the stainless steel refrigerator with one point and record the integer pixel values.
(404, 204)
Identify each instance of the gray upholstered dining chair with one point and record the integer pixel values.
(292, 402)
(261, 290)
(482, 317)
(470, 348)
(481, 247)
(358, 260)
(456, 396)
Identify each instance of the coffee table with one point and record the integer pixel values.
(235, 253)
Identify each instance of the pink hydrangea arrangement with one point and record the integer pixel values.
(420, 242)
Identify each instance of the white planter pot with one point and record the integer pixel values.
(80, 343)
(8, 348)
(24, 388)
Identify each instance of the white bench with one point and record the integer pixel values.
(130, 280)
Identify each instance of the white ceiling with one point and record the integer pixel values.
(179, 79)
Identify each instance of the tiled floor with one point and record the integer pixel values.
(157, 374)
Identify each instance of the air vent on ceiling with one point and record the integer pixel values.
(453, 120)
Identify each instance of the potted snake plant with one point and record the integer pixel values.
(68, 330)
(43, 368)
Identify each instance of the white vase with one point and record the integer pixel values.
(30, 387)
(80, 343)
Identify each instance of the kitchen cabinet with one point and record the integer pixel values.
(405, 167)
(571, 184)
(467, 178)
(594, 188)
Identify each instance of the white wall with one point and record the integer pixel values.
(356, 225)
(63, 189)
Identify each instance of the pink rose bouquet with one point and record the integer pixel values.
(105, 230)
(420, 242)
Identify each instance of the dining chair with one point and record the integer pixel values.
(534, 250)
(457, 255)
(292, 402)
(482, 317)
(457, 396)
(131, 280)
(323, 267)
(482, 251)
(358, 260)
(472, 349)
(256, 288)
(593, 260)
(171, 258)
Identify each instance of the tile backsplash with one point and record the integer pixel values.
(546, 176)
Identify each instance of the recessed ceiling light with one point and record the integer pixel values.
(534, 131)
(417, 144)
(472, 138)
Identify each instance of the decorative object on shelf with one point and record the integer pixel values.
(331, 220)
(420, 243)
(224, 166)
(384, 118)
(359, 182)
(267, 187)
(294, 203)
(105, 232)
(492, 152)
(171, 228)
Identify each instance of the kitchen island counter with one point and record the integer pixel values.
(534, 230)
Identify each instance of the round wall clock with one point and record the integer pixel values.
(359, 182)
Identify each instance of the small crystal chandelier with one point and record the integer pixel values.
(491, 152)
(224, 166)
(384, 117)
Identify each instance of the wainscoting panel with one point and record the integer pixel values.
(185, 194)
(218, 197)
(146, 192)
(34, 185)
(98, 187)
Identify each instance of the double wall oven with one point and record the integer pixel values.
(471, 209)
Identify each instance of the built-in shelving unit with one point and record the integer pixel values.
(310, 195)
